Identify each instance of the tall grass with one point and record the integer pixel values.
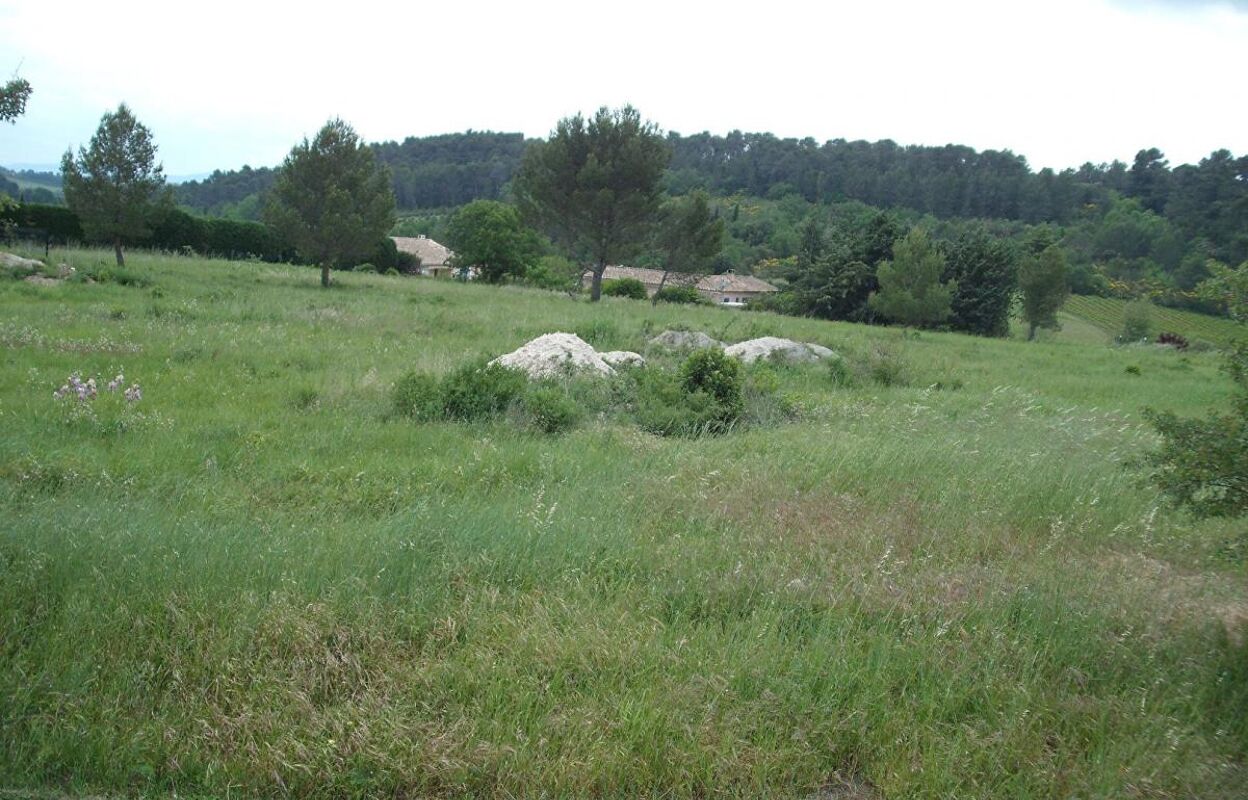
(258, 579)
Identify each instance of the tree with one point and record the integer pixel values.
(595, 184)
(116, 187)
(13, 97)
(985, 271)
(331, 198)
(1042, 281)
(689, 237)
(489, 235)
(911, 291)
(1202, 463)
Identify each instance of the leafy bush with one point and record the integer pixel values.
(886, 367)
(716, 374)
(1137, 321)
(664, 407)
(469, 393)
(1202, 463)
(625, 287)
(417, 395)
(679, 294)
(553, 273)
(550, 409)
(476, 392)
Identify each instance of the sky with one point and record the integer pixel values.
(228, 83)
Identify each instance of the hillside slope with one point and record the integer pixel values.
(938, 580)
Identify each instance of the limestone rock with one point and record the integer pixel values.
(555, 355)
(773, 347)
(10, 261)
(623, 358)
(684, 340)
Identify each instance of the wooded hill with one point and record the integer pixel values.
(1201, 208)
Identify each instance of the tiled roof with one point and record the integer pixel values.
(430, 253)
(727, 282)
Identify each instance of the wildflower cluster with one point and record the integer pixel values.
(75, 386)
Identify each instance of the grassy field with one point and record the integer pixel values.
(257, 581)
(1106, 315)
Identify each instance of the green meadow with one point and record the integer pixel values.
(942, 578)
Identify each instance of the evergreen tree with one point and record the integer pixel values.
(331, 198)
(689, 237)
(985, 271)
(13, 97)
(116, 187)
(911, 291)
(1042, 280)
(595, 184)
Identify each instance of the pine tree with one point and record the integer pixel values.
(331, 198)
(911, 291)
(115, 186)
(595, 184)
(1042, 280)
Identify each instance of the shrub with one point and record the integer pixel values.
(1137, 321)
(417, 395)
(1174, 340)
(625, 287)
(679, 294)
(553, 273)
(476, 392)
(550, 409)
(716, 374)
(886, 367)
(664, 407)
(840, 374)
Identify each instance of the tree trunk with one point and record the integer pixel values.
(654, 298)
(1031, 331)
(325, 274)
(121, 260)
(595, 287)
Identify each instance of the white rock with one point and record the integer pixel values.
(685, 340)
(13, 262)
(555, 355)
(617, 358)
(769, 347)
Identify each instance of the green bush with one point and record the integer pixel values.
(553, 273)
(886, 367)
(477, 392)
(550, 409)
(664, 407)
(840, 373)
(716, 374)
(679, 294)
(417, 395)
(1137, 322)
(625, 287)
(472, 392)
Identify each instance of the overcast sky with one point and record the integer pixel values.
(225, 83)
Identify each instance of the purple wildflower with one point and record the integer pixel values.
(134, 394)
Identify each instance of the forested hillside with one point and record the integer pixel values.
(1199, 208)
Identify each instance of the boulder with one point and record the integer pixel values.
(773, 347)
(618, 358)
(10, 261)
(685, 340)
(554, 355)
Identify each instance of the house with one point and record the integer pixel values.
(435, 259)
(728, 289)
